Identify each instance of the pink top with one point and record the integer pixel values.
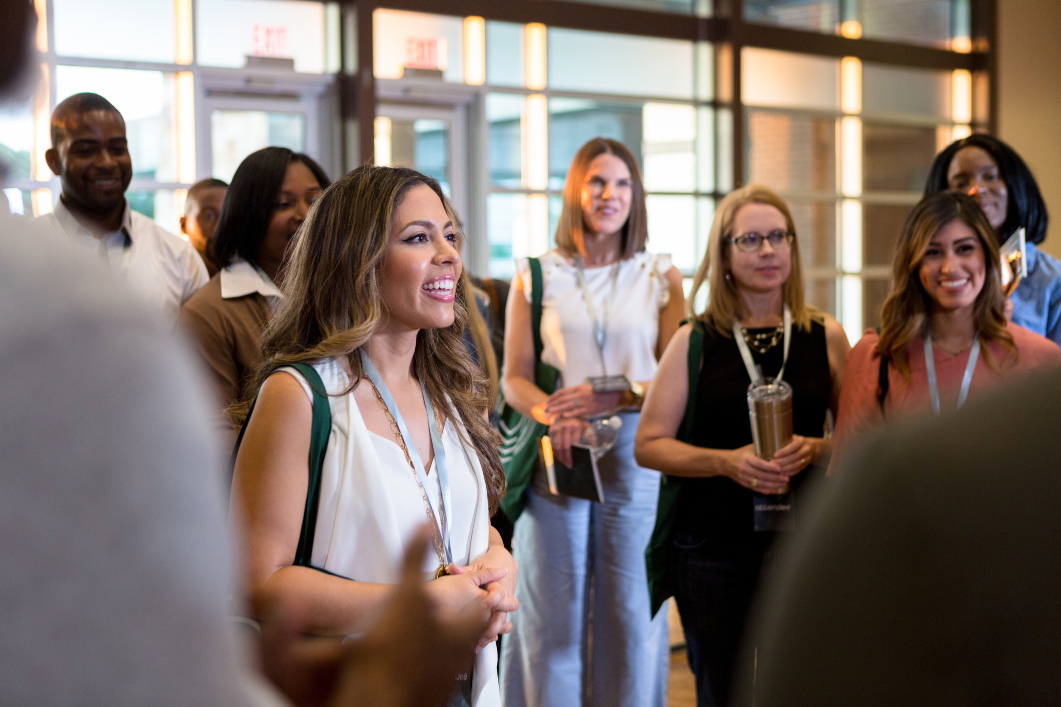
(859, 410)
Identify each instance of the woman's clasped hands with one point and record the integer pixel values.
(566, 412)
(471, 585)
(773, 476)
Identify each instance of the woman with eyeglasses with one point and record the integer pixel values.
(943, 333)
(993, 174)
(706, 548)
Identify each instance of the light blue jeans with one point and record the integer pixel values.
(583, 634)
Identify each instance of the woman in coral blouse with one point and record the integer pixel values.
(943, 333)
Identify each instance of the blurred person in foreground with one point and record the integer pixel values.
(709, 544)
(943, 333)
(994, 175)
(90, 155)
(118, 569)
(369, 337)
(202, 209)
(270, 196)
(927, 573)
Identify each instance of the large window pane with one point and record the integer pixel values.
(874, 292)
(503, 115)
(672, 228)
(896, 158)
(669, 147)
(506, 225)
(816, 227)
(821, 294)
(417, 40)
(792, 152)
(619, 64)
(881, 226)
(911, 21)
(228, 31)
(574, 121)
(812, 15)
(146, 100)
(234, 134)
(895, 91)
(787, 80)
(504, 54)
(134, 30)
(16, 141)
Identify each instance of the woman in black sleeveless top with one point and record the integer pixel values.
(715, 552)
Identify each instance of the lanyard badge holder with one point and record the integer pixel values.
(437, 517)
(602, 383)
(770, 416)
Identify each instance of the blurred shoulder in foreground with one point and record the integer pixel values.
(928, 573)
(117, 569)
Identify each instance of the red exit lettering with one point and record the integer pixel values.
(268, 40)
(421, 53)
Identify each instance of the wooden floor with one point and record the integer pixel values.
(682, 690)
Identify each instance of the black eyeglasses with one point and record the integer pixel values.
(753, 242)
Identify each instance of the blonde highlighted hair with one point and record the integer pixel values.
(724, 304)
(905, 312)
(333, 304)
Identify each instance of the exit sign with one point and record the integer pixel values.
(268, 40)
(425, 53)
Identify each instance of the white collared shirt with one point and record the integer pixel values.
(164, 268)
(240, 278)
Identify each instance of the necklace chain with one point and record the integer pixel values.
(436, 536)
(763, 341)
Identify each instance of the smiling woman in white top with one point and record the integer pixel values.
(269, 198)
(375, 304)
(608, 309)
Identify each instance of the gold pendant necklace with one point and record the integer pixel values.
(436, 535)
(763, 341)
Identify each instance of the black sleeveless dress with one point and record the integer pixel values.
(715, 514)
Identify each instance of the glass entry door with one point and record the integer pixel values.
(430, 139)
(243, 110)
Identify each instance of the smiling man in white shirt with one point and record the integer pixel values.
(90, 155)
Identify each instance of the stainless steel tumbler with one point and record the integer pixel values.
(770, 410)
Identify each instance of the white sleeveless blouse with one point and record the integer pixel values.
(371, 506)
(568, 345)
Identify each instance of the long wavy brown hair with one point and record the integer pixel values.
(723, 304)
(905, 312)
(333, 303)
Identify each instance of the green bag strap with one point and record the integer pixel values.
(318, 445)
(536, 306)
(657, 554)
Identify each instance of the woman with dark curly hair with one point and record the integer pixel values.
(375, 302)
(994, 175)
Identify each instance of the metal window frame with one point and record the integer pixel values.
(726, 29)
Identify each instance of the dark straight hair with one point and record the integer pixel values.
(1026, 206)
(251, 200)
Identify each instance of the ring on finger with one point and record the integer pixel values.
(755, 482)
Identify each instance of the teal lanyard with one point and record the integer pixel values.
(967, 379)
(437, 516)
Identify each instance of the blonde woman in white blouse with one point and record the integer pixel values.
(608, 308)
